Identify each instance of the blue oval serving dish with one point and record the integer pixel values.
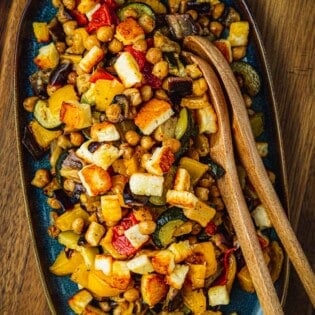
(59, 289)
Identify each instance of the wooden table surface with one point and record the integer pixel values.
(287, 29)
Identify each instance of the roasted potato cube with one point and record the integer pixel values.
(163, 262)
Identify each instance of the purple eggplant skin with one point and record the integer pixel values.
(200, 7)
(180, 85)
(59, 75)
(29, 142)
(181, 25)
(39, 81)
(56, 31)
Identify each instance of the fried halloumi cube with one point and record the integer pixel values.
(104, 263)
(161, 161)
(238, 35)
(104, 131)
(106, 155)
(218, 295)
(182, 180)
(129, 31)
(95, 180)
(207, 120)
(127, 69)
(153, 288)
(154, 113)
(163, 262)
(177, 278)
(182, 199)
(48, 57)
(84, 153)
(140, 264)
(135, 237)
(146, 184)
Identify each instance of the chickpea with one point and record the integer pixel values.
(141, 45)
(161, 94)
(127, 151)
(147, 227)
(146, 22)
(218, 9)
(131, 295)
(132, 137)
(202, 193)
(147, 142)
(203, 20)
(216, 28)
(146, 93)
(63, 142)
(193, 14)
(61, 47)
(105, 306)
(153, 55)
(133, 96)
(72, 77)
(29, 103)
(145, 157)
(90, 42)
(53, 203)
(105, 33)
(78, 225)
(76, 138)
(113, 112)
(238, 52)
(69, 185)
(69, 27)
(200, 87)
(174, 144)
(115, 46)
(193, 71)
(248, 100)
(160, 69)
(205, 182)
(69, 4)
(41, 178)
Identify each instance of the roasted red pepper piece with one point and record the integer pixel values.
(211, 228)
(101, 74)
(119, 240)
(150, 78)
(79, 17)
(105, 15)
(222, 280)
(138, 55)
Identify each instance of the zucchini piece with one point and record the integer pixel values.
(156, 5)
(215, 169)
(250, 76)
(58, 167)
(44, 115)
(166, 225)
(257, 124)
(191, 131)
(175, 65)
(195, 168)
(182, 124)
(140, 8)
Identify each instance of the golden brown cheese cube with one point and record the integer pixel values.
(95, 180)
(104, 131)
(160, 161)
(163, 262)
(154, 113)
(129, 31)
(182, 199)
(153, 288)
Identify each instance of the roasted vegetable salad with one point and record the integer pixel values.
(125, 121)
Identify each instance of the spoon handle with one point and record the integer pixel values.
(254, 166)
(222, 151)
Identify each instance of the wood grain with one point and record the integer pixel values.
(288, 34)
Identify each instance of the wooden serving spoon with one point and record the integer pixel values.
(222, 152)
(252, 162)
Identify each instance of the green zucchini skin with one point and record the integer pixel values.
(140, 8)
(45, 116)
(166, 224)
(58, 166)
